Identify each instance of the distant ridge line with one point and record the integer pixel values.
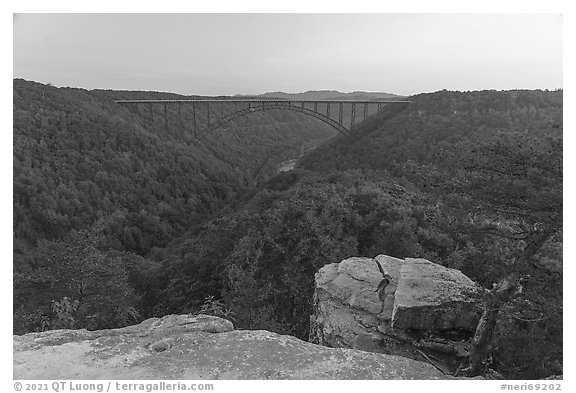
(324, 101)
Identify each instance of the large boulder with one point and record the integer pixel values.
(423, 308)
(432, 297)
(197, 347)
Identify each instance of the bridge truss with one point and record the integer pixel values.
(217, 113)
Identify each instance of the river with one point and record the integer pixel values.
(307, 148)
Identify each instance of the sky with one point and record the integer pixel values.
(226, 54)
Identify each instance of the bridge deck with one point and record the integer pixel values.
(258, 101)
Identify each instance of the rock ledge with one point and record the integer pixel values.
(198, 347)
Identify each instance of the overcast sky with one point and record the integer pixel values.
(226, 54)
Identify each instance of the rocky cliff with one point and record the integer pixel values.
(198, 347)
(408, 319)
(421, 310)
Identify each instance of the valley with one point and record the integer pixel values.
(119, 217)
(305, 148)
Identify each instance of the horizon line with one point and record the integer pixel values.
(285, 92)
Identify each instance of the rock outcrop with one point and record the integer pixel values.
(198, 347)
(422, 309)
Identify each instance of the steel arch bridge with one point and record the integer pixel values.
(343, 119)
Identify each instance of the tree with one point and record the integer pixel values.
(509, 188)
(82, 286)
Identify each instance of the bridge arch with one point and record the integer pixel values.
(277, 106)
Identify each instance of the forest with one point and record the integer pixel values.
(118, 218)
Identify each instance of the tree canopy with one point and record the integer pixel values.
(117, 218)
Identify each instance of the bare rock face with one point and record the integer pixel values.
(198, 347)
(423, 308)
(431, 297)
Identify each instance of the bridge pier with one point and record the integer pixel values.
(194, 117)
(166, 115)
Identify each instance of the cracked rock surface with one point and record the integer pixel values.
(421, 299)
(198, 347)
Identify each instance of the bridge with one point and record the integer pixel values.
(217, 113)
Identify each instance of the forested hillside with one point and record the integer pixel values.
(81, 161)
(434, 123)
(469, 180)
(79, 157)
